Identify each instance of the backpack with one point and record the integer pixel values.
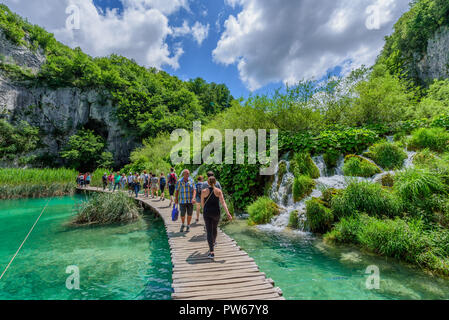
(172, 178)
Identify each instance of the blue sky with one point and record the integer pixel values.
(249, 45)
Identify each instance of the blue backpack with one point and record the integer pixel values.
(174, 213)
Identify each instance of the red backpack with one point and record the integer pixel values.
(172, 178)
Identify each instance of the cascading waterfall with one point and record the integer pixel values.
(281, 191)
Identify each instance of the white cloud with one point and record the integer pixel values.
(290, 40)
(140, 31)
(198, 31)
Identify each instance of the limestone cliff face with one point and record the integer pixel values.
(59, 113)
(435, 63)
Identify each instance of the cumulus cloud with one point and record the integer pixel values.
(290, 40)
(139, 31)
(198, 31)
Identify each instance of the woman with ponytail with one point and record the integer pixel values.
(211, 198)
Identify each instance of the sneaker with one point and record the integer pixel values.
(211, 256)
(182, 229)
(188, 229)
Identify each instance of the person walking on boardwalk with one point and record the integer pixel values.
(136, 182)
(185, 195)
(117, 178)
(130, 183)
(172, 179)
(88, 179)
(211, 198)
(162, 184)
(154, 185)
(123, 181)
(104, 179)
(111, 181)
(206, 183)
(199, 188)
(146, 187)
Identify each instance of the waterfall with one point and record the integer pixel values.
(281, 191)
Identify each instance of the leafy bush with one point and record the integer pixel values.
(435, 139)
(319, 217)
(341, 141)
(387, 155)
(262, 211)
(356, 166)
(17, 140)
(302, 164)
(293, 220)
(105, 208)
(366, 197)
(345, 231)
(302, 187)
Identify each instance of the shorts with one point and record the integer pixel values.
(88, 182)
(145, 185)
(171, 190)
(198, 199)
(162, 186)
(186, 208)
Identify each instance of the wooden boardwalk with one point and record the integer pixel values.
(232, 275)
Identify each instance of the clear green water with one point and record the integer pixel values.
(306, 268)
(129, 261)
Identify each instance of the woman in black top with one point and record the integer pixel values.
(210, 202)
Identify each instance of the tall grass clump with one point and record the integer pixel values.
(302, 164)
(405, 240)
(356, 166)
(319, 217)
(435, 139)
(35, 183)
(417, 184)
(387, 155)
(106, 208)
(363, 196)
(302, 187)
(262, 211)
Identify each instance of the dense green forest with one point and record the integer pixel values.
(147, 101)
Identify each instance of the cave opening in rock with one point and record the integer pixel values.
(98, 127)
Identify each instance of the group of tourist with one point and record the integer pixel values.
(205, 194)
(135, 182)
(83, 179)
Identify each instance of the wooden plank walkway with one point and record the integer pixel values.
(232, 275)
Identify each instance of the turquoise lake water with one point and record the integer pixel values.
(306, 268)
(129, 261)
(132, 261)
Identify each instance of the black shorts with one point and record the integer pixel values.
(171, 190)
(186, 208)
(162, 187)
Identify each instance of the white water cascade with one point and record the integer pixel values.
(281, 191)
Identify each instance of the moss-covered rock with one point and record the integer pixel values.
(356, 166)
(262, 211)
(388, 155)
(302, 187)
(293, 221)
(302, 164)
(331, 159)
(387, 180)
(319, 217)
(281, 172)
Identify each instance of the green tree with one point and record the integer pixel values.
(83, 150)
